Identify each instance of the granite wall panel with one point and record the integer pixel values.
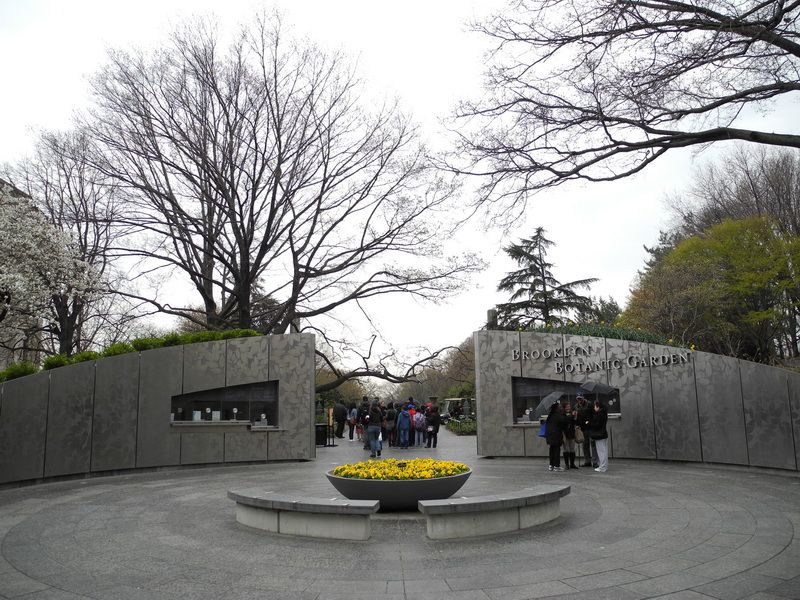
(291, 362)
(116, 414)
(247, 360)
(794, 409)
(69, 418)
(765, 396)
(534, 445)
(203, 366)
(116, 406)
(674, 404)
(495, 364)
(719, 400)
(160, 378)
(202, 448)
(537, 354)
(23, 428)
(241, 446)
(634, 433)
(584, 359)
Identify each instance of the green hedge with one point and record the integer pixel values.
(610, 332)
(55, 361)
(119, 348)
(463, 426)
(20, 369)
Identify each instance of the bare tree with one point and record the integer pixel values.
(79, 201)
(385, 367)
(599, 90)
(257, 166)
(743, 184)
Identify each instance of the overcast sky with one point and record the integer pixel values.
(419, 51)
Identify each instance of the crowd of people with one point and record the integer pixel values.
(584, 425)
(406, 424)
(396, 424)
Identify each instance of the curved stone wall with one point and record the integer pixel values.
(114, 414)
(676, 404)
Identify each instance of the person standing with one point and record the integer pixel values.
(600, 435)
(363, 420)
(420, 426)
(569, 437)
(403, 427)
(412, 412)
(340, 418)
(555, 436)
(583, 421)
(352, 418)
(391, 422)
(374, 430)
(434, 421)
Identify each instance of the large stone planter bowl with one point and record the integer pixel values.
(398, 495)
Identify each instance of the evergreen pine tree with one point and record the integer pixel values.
(537, 297)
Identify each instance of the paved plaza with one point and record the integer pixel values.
(643, 530)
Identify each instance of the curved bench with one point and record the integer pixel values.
(342, 519)
(487, 515)
(333, 518)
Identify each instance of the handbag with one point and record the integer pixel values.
(579, 438)
(543, 430)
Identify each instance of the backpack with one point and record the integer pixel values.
(419, 421)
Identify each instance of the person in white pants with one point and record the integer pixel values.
(600, 435)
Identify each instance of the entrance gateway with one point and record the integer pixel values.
(664, 402)
(122, 413)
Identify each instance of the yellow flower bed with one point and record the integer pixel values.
(392, 469)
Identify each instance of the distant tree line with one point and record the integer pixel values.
(725, 277)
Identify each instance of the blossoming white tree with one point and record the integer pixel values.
(37, 262)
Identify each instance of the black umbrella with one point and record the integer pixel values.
(544, 406)
(595, 387)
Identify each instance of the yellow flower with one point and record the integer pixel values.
(393, 469)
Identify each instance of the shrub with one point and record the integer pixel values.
(119, 348)
(197, 337)
(142, 344)
(84, 356)
(463, 427)
(171, 339)
(53, 362)
(609, 332)
(18, 369)
(239, 333)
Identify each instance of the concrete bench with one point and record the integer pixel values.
(333, 518)
(487, 515)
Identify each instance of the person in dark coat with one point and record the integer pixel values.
(583, 421)
(363, 420)
(433, 423)
(570, 418)
(374, 420)
(556, 423)
(340, 418)
(600, 435)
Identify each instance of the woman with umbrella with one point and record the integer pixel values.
(556, 424)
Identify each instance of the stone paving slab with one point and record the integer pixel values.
(673, 531)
